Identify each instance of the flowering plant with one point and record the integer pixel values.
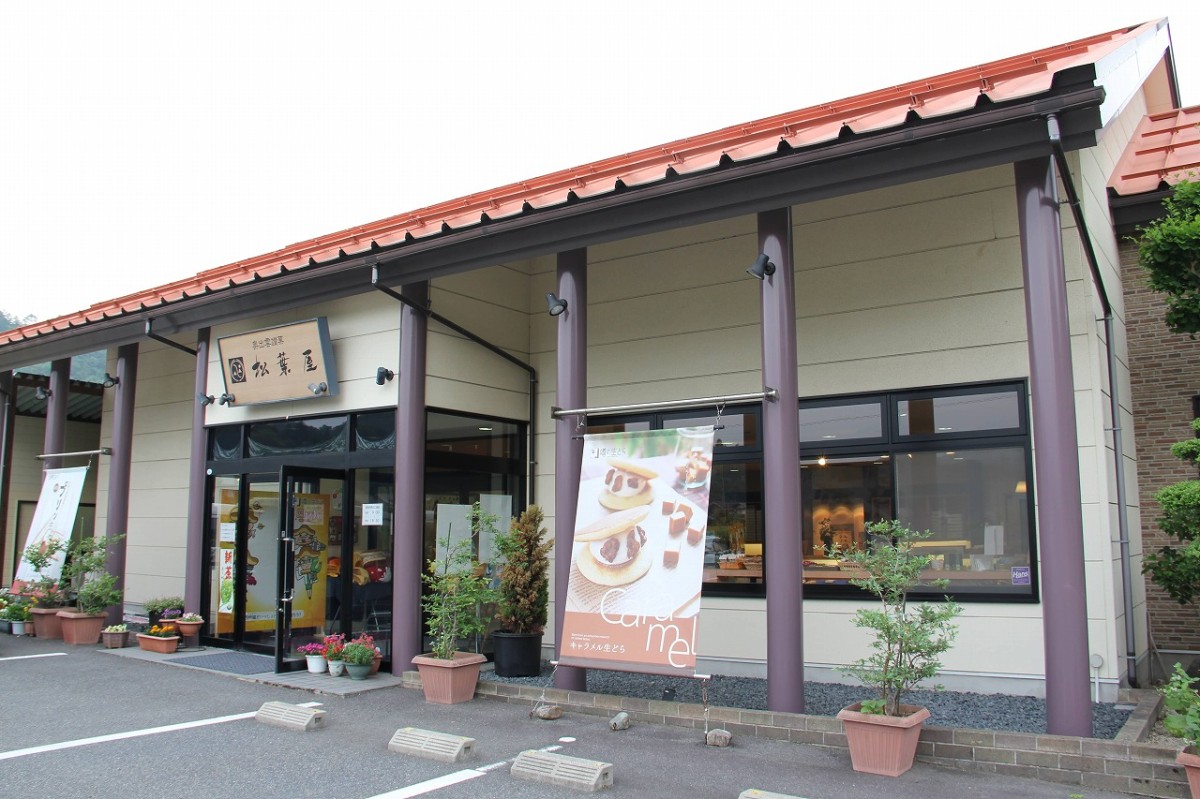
(162, 631)
(46, 593)
(311, 649)
(116, 628)
(365, 639)
(334, 644)
(17, 610)
(357, 654)
(191, 617)
(170, 614)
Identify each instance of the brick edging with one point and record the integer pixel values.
(1125, 764)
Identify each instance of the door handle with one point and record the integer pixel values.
(288, 597)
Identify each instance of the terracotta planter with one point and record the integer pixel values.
(114, 640)
(1189, 758)
(188, 628)
(375, 662)
(163, 646)
(46, 623)
(80, 628)
(448, 682)
(884, 745)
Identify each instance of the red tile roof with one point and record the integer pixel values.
(1163, 151)
(951, 93)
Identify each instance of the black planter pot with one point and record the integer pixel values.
(517, 654)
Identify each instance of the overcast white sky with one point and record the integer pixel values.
(143, 142)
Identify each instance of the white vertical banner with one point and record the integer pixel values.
(54, 517)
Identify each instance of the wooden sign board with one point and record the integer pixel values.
(275, 364)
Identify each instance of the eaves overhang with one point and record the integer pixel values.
(917, 151)
(971, 119)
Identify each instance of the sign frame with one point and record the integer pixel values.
(259, 383)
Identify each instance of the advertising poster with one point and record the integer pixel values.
(54, 517)
(637, 562)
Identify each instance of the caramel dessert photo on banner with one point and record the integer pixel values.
(614, 550)
(627, 485)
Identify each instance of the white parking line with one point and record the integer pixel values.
(120, 736)
(30, 657)
(431, 785)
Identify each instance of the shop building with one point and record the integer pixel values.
(927, 338)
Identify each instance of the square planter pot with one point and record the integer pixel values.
(46, 623)
(163, 646)
(1189, 758)
(81, 628)
(448, 682)
(114, 640)
(884, 745)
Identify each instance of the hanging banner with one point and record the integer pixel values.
(54, 517)
(637, 563)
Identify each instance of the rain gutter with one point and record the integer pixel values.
(1064, 173)
(467, 334)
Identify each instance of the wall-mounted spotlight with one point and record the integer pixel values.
(318, 388)
(761, 267)
(205, 399)
(42, 393)
(226, 399)
(555, 305)
(110, 381)
(382, 375)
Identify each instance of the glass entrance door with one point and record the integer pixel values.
(311, 499)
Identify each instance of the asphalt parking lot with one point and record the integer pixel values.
(80, 721)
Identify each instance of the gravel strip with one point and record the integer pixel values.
(948, 708)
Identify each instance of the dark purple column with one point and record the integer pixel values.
(571, 392)
(1056, 452)
(7, 422)
(118, 468)
(781, 470)
(408, 556)
(56, 412)
(194, 560)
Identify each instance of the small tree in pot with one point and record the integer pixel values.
(92, 587)
(524, 595)
(457, 592)
(1182, 702)
(908, 642)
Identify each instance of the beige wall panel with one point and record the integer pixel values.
(502, 326)
(647, 320)
(163, 504)
(732, 632)
(504, 285)
(154, 475)
(1005, 361)
(709, 260)
(455, 358)
(458, 396)
(658, 242)
(680, 356)
(160, 561)
(165, 417)
(951, 186)
(173, 445)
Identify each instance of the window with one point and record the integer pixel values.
(957, 464)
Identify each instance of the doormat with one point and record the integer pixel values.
(230, 662)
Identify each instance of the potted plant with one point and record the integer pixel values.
(334, 644)
(908, 641)
(357, 658)
(5, 624)
(369, 642)
(47, 593)
(94, 589)
(1182, 701)
(18, 615)
(457, 591)
(154, 607)
(314, 654)
(189, 624)
(159, 638)
(115, 636)
(524, 595)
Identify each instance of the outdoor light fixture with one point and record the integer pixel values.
(226, 399)
(42, 393)
(110, 381)
(319, 388)
(554, 305)
(761, 267)
(382, 375)
(205, 399)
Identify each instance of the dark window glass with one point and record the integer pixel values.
(472, 435)
(840, 423)
(225, 443)
(298, 436)
(839, 495)
(375, 430)
(733, 545)
(975, 502)
(959, 413)
(736, 429)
